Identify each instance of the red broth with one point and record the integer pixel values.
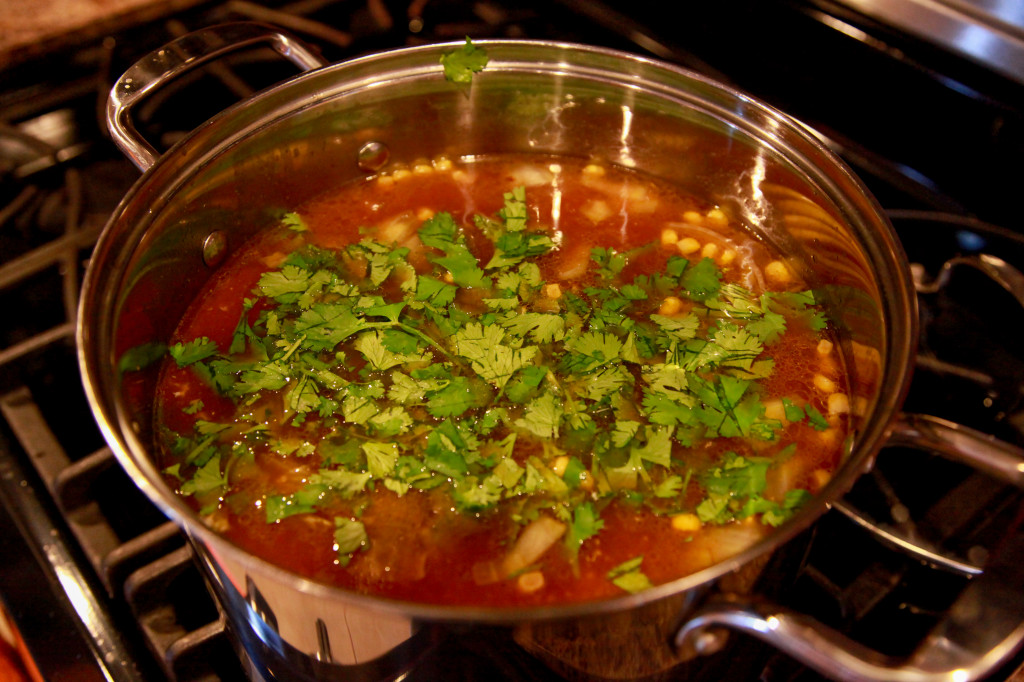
(428, 386)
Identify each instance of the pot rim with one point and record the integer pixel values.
(114, 422)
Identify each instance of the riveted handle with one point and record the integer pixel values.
(982, 629)
(180, 56)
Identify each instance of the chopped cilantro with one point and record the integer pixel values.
(208, 478)
(452, 400)
(490, 358)
(441, 232)
(141, 356)
(192, 351)
(627, 576)
(466, 377)
(293, 221)
(585, 524)
(349, 537)
(460, 65)
(702, 280)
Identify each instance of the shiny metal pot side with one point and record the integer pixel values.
(334, 123)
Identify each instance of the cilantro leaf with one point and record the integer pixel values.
(472, 495)
(452, 400)
(512, 243)
(491, 359)
(680, 328)
(390, 422)
(340, 481)
(303, 501)
(207, 478)
(658, 446)
(441, 232)
(609, 261)
(737, 476)
(325, 325)
(460, 65)
(192, 351)
(540, 327)
(349, 537)
(703, 280)
(371, 345)
(293, 221)
(514, 247)
(435, 291)
(381, 458)
(542, 417)
(590, 350)
(628, 577)
(141, 356)
(586, 523)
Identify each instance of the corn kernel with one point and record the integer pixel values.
(693, 218)
(449, 277)
(839, 403)
(593, 169)
(820, 478)
(553, 290)
(559, 464)
(728, 257)
(777, 271)
(828, 365)
(596, 210)
(531, 581)
(422, 168)
(670, 306)
(710, 250)
(859, 406)
(824, 384)
(385, 181)
(424, 213)
(824, 347)
(717, 218)
(669, 236)
(401, 174)
(775, 409)
(687, 523)
(443, 163)
(829, 437)
(687, 246)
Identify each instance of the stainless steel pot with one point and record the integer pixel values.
(237, 172)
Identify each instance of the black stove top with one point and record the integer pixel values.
(103, 587)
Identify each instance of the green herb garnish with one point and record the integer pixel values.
(413, 390)
(460, 65)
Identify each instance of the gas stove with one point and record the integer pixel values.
(98, 584)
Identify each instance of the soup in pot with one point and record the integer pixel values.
(506, 381)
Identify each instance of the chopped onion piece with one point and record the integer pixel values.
(535, 539)
(729, 540)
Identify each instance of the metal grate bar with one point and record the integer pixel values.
(147, 571)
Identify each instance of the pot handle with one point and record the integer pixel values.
(960, 443)
(984, 626)
(182, 55)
